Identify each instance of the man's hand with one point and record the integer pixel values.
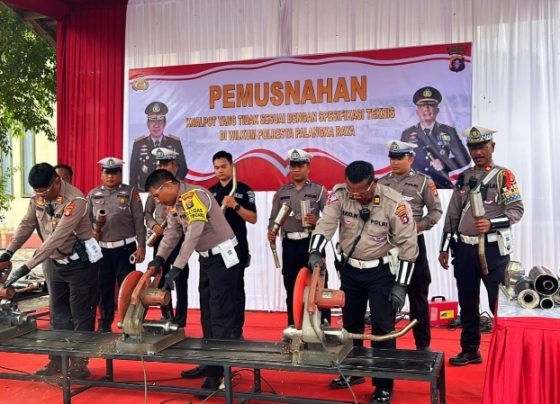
(6, 256)
(315, 258)
(482, 224)
(140, 254)
(170, 278)
(229, 202)
(15, 275)
(157, 229)
(444, 259)
(271, 236)
(397, 296)
(156, 262)
(311, 219)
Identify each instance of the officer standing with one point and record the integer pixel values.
(196, 214)
(142, 162)
(419, 191)
(123, 235)
(440, 151)
(60, 212)
(502, 204)
(295, 237)
(156, 215)
(371, 219)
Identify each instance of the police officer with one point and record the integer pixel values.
(372, 219)
(503, 207)
(440, 151)
(65, 172)
(155, 215)
(239, 208)
(60, 212)
(121, 236)
(295, 237)
(196, 214)
(142, 162)
(419, 191)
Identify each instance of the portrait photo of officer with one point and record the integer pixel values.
(440, 151)
(142, 162)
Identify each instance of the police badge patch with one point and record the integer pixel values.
(400, 211)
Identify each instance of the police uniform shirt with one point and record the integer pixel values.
(143, 163)
(245, 197)
(315, 193)
(59, 231)
(390, 224)
(418, 190)
(154, 213)
(442, 143)
(199, 217)
(125, 214)
(503, 199)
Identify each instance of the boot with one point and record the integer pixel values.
(52, 368)
(78, 368)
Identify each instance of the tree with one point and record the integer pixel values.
(27, 85)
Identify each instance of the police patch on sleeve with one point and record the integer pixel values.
(433, 188)
(332, 198)
(69, 208)
(508, 187)
(400, 211)
(195, 210)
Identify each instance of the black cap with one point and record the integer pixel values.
(156, 111)
(427, 95)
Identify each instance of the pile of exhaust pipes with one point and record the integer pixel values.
(540, 289)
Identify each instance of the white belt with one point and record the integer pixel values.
(117, 244)
(216, 250)
(67, 260)
(473, 240)
(297, 235)
(359, 264)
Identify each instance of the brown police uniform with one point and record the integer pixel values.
(295, 238)
(200, 219)
(504, 207)
(366, 275)
(155, 213)
(73, 280)
(123, 230)
(419, 190)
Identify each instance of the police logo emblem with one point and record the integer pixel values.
(110, 163)
(427, 92)
(295, 155)
(156, 108)
(475, 134)
(140, 85)
(159, 154)
(394, 147)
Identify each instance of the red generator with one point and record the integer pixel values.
(441, 311)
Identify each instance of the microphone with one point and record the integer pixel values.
(365, 214)
(49, 209)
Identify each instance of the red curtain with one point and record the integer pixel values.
(90, 57)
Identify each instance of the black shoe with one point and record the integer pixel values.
(423, 349)
(52, 368)
(211, 383)
(341, 383)
(194, 373)
(78, 368)
(464, 358)
(381, 396)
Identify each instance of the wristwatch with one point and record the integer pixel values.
(237, 207)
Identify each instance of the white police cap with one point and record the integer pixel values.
(398, 148)
(299, 156)
(111, 163)
(163, 153)
(478, 135)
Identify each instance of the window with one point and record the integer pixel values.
(27, 161)
(7, 172)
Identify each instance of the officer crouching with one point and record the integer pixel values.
(372, 219)
(196, 215)
(59, 211)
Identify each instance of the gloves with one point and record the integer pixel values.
(315, 258)
(6, 256)
(170, 278)
(156, 262)
(397, 296)
(15, 275)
